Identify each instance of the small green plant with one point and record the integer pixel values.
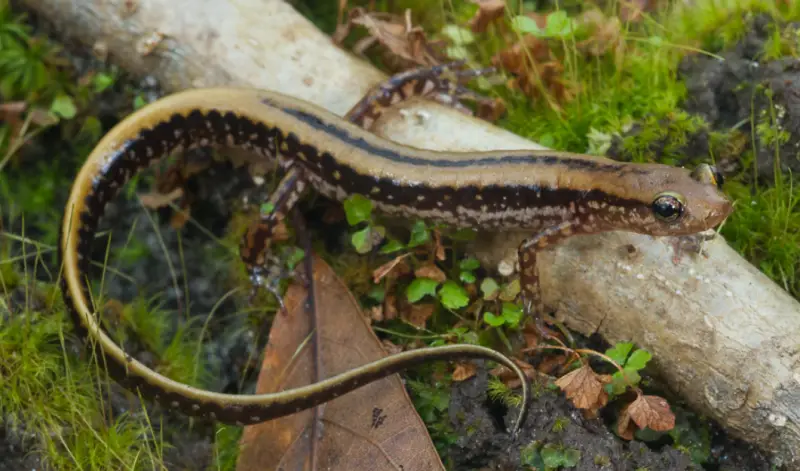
(549, 457)
(631, 364)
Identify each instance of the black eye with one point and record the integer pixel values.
(668, 207)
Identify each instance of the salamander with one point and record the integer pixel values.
(553, 194)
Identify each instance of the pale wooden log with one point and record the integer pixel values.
(723, 335)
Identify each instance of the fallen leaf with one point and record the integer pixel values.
(374, 427)
(390, 307)
(418, 314)
(509, 378)
(396, 33)
(537, 72)
(584, 388)
(633, 10)
(430, 270)
(652, 412)
(551, 362)
(488, 12)
(437, 241)
(156, 200)
(464, 371)
(384, 270)
(491, 110)
(604, 33)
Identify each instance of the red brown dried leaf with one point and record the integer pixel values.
(605, 33)
(584, 388)
(464, 371)
(437, 242)
(537, 72)
(156, 200)
(491, 110)
(551, 362)
(652, 412)
(634, 10)
(430, 270)
(396, 33)
(180, 218)
(390, 307)
(508, 377)
(384, 270)
(418, 314)
(489, 11)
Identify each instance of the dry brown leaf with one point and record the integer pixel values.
(584, 388)
(418, 314)
(156, 200)
(551, 362)
(652, 412)
(634, 10)
(488, 12)
(384, 270)
(536, 69)
(390, 307)
(430, 270)
(509, 378)
(605, 33)
(464, 371)
(396, 33)
(491, 110)
(437, 242)
(374, 427)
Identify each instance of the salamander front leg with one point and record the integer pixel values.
(265, 269)
(530, 288)
(442, 83)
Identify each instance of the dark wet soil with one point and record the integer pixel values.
(721, 92)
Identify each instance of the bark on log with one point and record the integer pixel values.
(722, 334)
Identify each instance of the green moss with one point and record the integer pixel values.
(765, 228)
(54, 398)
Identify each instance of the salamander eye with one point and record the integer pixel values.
(668, 206)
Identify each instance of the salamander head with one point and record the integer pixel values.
(674, 201)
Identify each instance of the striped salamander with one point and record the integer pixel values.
(553, 194)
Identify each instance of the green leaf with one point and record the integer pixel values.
(512, 313)
(571, 458)
(377, 293)
(489, 287)
(360, 240)
(467, 277)
(492, 320)
(421, 287)
(553, 457)
(267, 208)
(529, 456)
(638, 359)
(619, 352)
(295, 256)
(392, 245)
(102, 82)
(63, 107)
(419, 234)
(470, 263)
(139, 102)
(524, 24)
(357, 208)
(453, 295)
(559, 24)
(459, 36)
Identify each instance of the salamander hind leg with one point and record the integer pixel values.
(265, 268)
(530, 287)
(443, 83)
